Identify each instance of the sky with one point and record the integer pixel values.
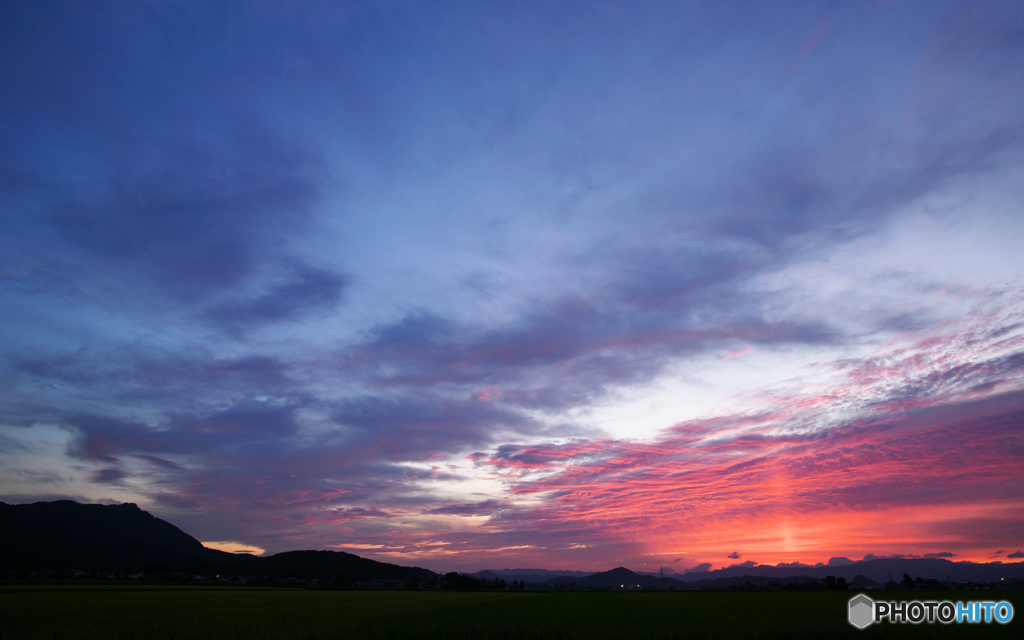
(530, 284)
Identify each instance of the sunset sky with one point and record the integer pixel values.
(485, 285)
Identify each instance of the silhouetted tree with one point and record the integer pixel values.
(841, 583)
(458, 581)
(907, 583)
(830, 582)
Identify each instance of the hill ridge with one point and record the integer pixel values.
(38, 537)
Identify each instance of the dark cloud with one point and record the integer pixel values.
(39, 477)
(748, 563)
(184, 197)
(160, 462)
(542, 455)
(303, 291)
(10, 445)
(255, 429)
(734, 555)
(109, 476)
(396, 428)
(359, 512)
(704, 566)
(486, 507)
(1016, 554)
(941, 554)
(568, 352)
(174, 381)
(201, 221)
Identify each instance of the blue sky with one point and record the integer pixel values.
(456, 284)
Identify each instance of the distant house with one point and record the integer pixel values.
(930, 584)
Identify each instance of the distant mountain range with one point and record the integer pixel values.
(548, 573)
(66, 535)
(871, 571)
(878, 570)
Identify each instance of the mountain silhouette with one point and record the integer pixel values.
(622, 577)
(327, 565)
(65, 535)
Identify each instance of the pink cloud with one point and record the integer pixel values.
(924, 454)
(488, 393)
(735, 354)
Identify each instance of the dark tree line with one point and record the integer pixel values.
(455, 580)
(832, 583)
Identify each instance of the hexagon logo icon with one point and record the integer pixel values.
(862, 610)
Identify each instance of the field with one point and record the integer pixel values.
(152, 612)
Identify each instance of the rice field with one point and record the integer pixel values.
(154, 612)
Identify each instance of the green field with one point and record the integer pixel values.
(114, 612)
